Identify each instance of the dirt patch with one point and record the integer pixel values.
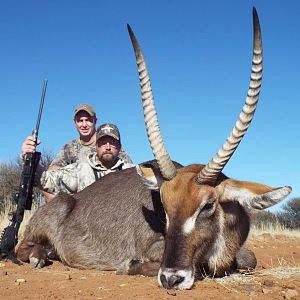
(277, 276)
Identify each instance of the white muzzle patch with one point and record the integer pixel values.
(185, 284)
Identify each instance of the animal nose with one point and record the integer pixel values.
(171, 282)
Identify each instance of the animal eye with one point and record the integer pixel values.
(208, 206)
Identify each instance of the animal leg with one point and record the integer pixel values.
(150, 264)
(36, 254)
(146, 268)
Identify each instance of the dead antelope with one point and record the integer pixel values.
(159, 218)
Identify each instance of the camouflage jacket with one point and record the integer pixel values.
(74, 151)
(75, 177)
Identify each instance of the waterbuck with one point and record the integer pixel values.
(158, 218)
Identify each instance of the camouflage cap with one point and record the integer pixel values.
(85, 107)
(108, 129)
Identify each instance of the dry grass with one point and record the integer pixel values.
(282, 269)
(273, 230)
(8, 207)
(249, 283)
(282, 272)
(285, 271)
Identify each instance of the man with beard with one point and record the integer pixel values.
(78, 149)
(85, 120)
(75, 177)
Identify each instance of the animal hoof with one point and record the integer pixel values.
(245, 259)
(36, 263)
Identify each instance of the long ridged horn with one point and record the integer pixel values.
(159, 150)
(212, 170)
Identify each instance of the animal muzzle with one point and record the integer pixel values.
(175, 279)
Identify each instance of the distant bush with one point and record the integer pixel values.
(288, 217)
(10, 173)
(265, 219)
(291, 214)
(9, 181)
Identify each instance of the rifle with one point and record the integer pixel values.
(23, 198)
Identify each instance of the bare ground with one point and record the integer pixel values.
(277, 276)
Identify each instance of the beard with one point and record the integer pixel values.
(108, 158)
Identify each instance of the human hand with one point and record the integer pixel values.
(29, 146)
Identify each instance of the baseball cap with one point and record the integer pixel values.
(108, 129)
(85, 107)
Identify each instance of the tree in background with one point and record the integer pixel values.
(9, 181)
(291, 213)
(287, 217)
(10, 173)
(263, 219)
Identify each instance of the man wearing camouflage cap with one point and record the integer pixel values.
(78, 149)
(75, 177)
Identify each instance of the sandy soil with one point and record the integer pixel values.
(277, 277)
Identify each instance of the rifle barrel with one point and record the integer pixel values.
(36, 130)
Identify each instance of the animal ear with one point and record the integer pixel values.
(251, 194)
(150, 176)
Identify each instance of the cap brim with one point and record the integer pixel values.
(108, 134)
(92, 114)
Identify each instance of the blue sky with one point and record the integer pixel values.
(199, 58)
